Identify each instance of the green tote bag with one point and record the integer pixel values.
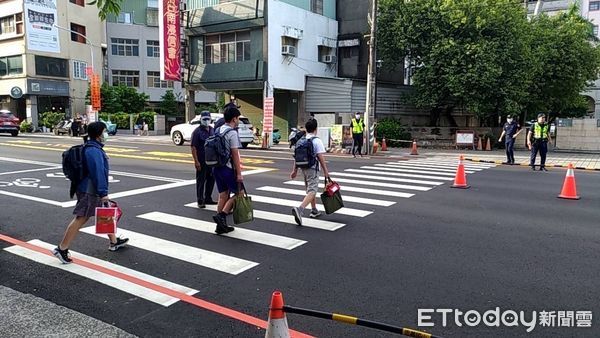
(242, 209)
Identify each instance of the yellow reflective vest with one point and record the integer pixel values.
(357, 126)
(540, 131)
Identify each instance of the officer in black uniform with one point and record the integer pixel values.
(510, 131)
(537, 140)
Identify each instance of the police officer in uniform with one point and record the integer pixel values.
(511, 130)
(540, 133)
(358, 126)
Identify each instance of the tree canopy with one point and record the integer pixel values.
(107, 7)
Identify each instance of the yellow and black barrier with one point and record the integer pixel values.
(357, 321)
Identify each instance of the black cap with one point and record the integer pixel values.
(509, 116)
(541, 115)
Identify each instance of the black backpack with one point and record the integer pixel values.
(217, 152)
(73, 166)
(297, 137)
(304, 153)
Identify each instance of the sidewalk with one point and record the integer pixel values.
(554, 159)
(25, 315)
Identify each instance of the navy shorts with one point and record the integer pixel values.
(226, 180)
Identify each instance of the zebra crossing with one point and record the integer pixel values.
(366, 189)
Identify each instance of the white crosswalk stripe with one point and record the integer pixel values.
(285, 218)
(451, 166)
(294, 203)
(361, 190)
(454, 163)
(397, 174)
(379, 184)
(431, 169)
(104, 278)
(404, 170)
(239, 233)
(347, 198)
(186, 253)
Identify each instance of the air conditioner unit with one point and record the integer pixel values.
(288, 50)
(329, 59)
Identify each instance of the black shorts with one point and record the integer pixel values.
(86, 204)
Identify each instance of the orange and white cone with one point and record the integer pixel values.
(383, 145)
(569, 189)
(277, 326)
(460, 181)
(414, 148)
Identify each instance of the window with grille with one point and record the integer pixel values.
(12, 24)
(316, 6)
(594, 5)
(124, 17)
(49, 66)
(75, 29)
(229, 47)
(129, 78)
(154, 81)
(79, 68)
(152, 17)
(125, 47)
(152, 48)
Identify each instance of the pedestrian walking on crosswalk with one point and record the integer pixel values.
(222, 152)
(92, 191)
(309, 156)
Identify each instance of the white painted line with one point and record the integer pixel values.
(32, 198)
(256, 171)
(18, 160)
(424, 167)
(450, 162)
(378, 184)
(361, 190)
(387, 170)
(186, 253)
(293, 203)
(380, 172)
(389, 179)
(439, 165)
(29, 170)
(117, 283)
(283, 218)
(140, 191)
(345, 197)
(276, 241)
(148, 177)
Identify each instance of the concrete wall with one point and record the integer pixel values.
(290, 72)
(584, 135)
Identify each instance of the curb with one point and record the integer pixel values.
(527, 165)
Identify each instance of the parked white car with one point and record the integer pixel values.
(183, 132)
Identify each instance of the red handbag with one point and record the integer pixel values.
(332, 187)
(107, 218)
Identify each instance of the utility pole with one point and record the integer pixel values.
(371, 78)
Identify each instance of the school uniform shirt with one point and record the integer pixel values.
(318, 146)
(231, 138)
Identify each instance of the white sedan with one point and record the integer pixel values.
(183, 132)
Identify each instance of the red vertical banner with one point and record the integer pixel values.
(169, 28)
(95, 92)
(268, 108)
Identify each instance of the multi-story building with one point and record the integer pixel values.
(254, 49)
(44, 55)
(134, 53)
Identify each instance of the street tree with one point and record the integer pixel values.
(168, 104)
(107, 7)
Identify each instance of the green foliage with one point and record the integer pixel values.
(486, 57)
(26, 127)
(392, 130)
(168, 104)
(107, 7)
(50, 119)
(122, 99)
(149, 117)
(120, 119)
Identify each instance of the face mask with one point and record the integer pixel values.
(358, 117)
(509, 120)
(205, 122)
(104, 137)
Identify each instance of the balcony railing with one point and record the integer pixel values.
(227, 72)
(210, 12)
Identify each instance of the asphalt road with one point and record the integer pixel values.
(405, 243)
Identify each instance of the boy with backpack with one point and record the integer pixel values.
(309, 156)
(222, 153)
(87, 168)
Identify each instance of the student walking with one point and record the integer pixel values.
(309, 157)
(92, 191)
(205, 182)
(228, 176)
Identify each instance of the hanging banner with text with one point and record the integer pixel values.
(169, 28)
(40, 18)
(268, 108)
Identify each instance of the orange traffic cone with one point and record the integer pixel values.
(277, 326)
(569, 189)
(414, 148)
(488, 144)
(460, 181)
(479, 146)
(383, 145)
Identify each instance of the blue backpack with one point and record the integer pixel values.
(217, 152)
(304, 153)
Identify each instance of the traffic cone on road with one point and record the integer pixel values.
(383, 145)
(569, 189)
(414, 148)
(479, 146)
(488, 144)
(277, 326)
(460, 181)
